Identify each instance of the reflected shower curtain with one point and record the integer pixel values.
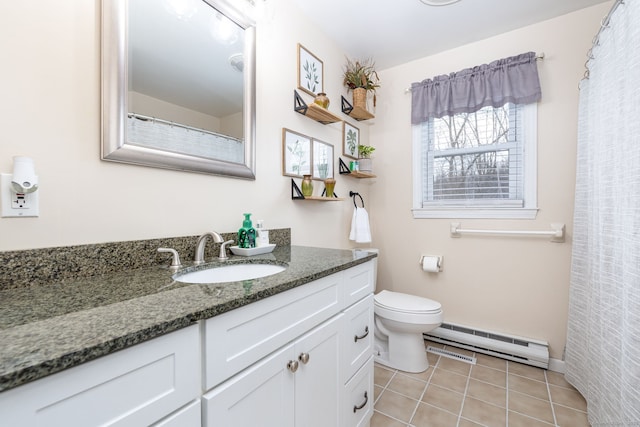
(603, 337)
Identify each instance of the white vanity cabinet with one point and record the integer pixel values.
(292, 360)
(137, 386)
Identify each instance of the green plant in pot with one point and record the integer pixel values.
(365, 163)
(360, 76)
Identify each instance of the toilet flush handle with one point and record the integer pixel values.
(366, 332)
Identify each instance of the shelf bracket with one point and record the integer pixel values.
(298, 103)
(346, 106)
(296, 194)
(342, 167)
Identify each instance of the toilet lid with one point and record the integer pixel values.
(406, 303)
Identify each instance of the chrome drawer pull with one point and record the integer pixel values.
(366, 399)
(366, 332)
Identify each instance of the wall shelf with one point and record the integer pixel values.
(313, 111)
(344, 170)
(296, 194)
(357, 113)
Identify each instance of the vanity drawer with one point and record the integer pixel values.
(357, 335)
(358, 401)
(359, 282)
(133, 387)
(241, 337)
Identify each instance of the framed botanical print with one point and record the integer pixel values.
(310, 72)
(322, 159)
(296, 154)
(350, 140)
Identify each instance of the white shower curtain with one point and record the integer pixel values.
(603, 342)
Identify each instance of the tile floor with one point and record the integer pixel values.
(493, 392)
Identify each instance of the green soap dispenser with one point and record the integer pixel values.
(247, 234)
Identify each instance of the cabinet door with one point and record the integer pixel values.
(318, 386)
(261, 395)
(133, 387)
(357, 336)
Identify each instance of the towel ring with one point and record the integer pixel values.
(353, 194)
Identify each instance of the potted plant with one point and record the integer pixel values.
(365, 163)
(361, 77)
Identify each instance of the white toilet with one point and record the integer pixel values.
(400, 320)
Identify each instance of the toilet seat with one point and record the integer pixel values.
(403, 303)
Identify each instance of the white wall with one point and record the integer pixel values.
(513, 285)
(50, 110)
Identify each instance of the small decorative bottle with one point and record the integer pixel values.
(322, 100)
(307, 186)
(247, 234)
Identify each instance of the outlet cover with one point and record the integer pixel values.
(11, 209)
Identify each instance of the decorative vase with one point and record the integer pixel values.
(365, 165)
(307, 186)
(329, 185)
(322, 100)
(360, 98)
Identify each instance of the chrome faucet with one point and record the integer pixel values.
(217, 238)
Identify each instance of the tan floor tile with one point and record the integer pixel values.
(531, 387)
(408, 386)
(567, 417)
(568, 397)
(377, 391)
(430, 416)
(422, 376)
(487, 392)
(381, 376)
(558, 379)
(519, 420)
(450, 380)
(396, 405)
(484, 413)
(530, 406)
(467, 423)
(381, 420)
(527, 371)
(491, 362)
(489, 375)
(443, 398)
(456, 366)
(433, 359)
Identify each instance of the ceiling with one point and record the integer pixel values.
(399, 31)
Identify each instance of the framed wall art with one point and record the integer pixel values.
(296, 154)
(310, 72)
(322, 159)
(350, 140)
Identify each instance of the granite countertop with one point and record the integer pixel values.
(50, 327)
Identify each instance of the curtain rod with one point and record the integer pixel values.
(596, 39)
(539, 57)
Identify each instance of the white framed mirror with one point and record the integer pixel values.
(178, 85)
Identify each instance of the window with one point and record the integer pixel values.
(476, 165)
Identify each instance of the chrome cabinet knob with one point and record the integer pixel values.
(292, 365)
(304, 358)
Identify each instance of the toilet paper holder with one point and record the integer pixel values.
(439, 260)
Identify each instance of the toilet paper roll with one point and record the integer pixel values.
(431, 264)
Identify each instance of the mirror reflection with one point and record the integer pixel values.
(188, 100)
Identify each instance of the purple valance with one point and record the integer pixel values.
(514, 79)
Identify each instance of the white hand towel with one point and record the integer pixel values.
(360, 231)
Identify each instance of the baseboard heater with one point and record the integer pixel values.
(523, 350)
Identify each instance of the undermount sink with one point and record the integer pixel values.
(229, 273)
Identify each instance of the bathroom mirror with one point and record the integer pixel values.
(178, 85)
